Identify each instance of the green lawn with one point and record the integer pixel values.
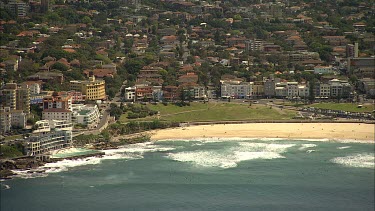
(344, 107)
(216, 112)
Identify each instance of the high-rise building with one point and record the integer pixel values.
(15, 97)
(19, 8)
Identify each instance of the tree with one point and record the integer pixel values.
(59, 66)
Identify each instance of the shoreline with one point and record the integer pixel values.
(340, 132)
(337, 132)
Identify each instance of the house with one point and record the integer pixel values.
(188, 78)
(100, 73)
(170, 93)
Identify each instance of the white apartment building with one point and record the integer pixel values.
(86, 114)
(12, 118)
(44, 126)
(57, 114)
(44, 143)
(130, 93)
(292, 89)
(303, 91)
(236, 89)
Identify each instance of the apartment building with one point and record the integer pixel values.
(15, 97)
(236, 89)
(86, 114)
(39, 143)
(94, 89)
(57, 107)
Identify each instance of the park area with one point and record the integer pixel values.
(215, 111)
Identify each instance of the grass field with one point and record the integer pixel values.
(344, 107)
(216, 112)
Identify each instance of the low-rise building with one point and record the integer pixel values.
(323, 69)
(86, 115)
(40, 143)
(44, 126)
(236, 89)
(340, 89)
(130, 93)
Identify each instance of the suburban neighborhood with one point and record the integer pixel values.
(71, 68)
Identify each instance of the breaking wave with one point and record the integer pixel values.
(129, 152)
(231, 157)
(344, 147)
(364, 160)
(306, 146)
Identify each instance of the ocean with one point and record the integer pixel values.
(204, 174)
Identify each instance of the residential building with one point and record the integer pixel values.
(5, 120)
(193, 91)
(352, 50)
(57, 107)
(57, 114)
(19, 118)
(303, 91)
(86, 114)
(269, 87)
(236, 89)
(367, 86)
(40, 143)
(94, 89)
(362, 67)
(292, 89)
(18, 8)
(324, 90)
(170, 93)
(34, 86)
(254, 45)
(15, 97)
(130, 93)
(340, 89)
(258, 89)
(323, 69)
(58, 101)
(12, 118)
(47, 77)
(281, 91)
(44, 126)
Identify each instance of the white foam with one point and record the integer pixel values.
(231, 157)
(306, 146)
(364, 160)
(344, 147)
(4, 186)
(264, 147)
(27, 174)
(129, 152)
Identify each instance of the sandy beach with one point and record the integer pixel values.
(345, 132)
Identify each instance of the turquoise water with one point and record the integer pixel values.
(206, 174)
